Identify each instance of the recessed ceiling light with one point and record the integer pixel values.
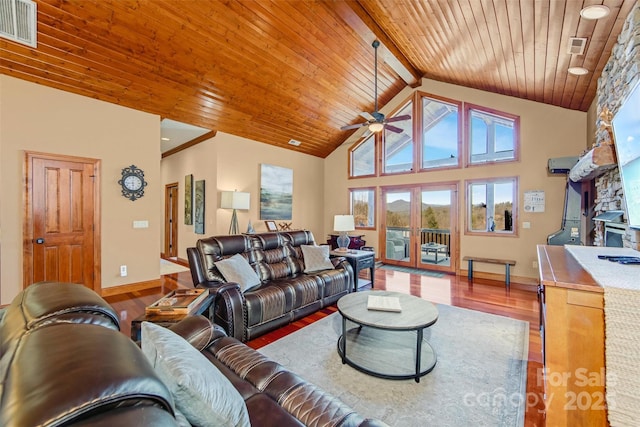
(595, 11)
(578, 71)
(294, 142)
(165, 139)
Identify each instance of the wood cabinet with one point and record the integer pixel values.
(572, 328)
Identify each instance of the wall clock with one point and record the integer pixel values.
(132, 183)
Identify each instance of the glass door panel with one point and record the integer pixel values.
(435, 228)
(420, 226)
(396, 205)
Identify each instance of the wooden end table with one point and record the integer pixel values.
(359, 260)
(167, 320)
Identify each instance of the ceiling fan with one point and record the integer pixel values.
(376, 121)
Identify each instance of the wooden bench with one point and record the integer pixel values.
(507, 266)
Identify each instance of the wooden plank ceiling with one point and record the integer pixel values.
(278, 70)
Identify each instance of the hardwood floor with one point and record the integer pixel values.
(520, 302)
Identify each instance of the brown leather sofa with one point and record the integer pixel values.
(64, 363)
(285, 293)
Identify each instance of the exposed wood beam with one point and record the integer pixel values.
(191, 143)
(363, 24)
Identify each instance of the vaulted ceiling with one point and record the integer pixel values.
(278, 70)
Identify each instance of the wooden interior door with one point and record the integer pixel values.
(171, 220)
(61, 221)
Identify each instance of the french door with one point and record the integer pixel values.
(419, 226)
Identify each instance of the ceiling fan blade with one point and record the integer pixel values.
(393, 129)
(367, 116)
(398, 118)
(378, 116)
(359, 125)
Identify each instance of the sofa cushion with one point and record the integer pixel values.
(316, 258)
(201, 392)
(237, 269)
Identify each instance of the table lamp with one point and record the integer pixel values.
(343, 224)
(234, 200)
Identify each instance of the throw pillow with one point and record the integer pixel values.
(201, 392)
(316, 258)
(237, 269)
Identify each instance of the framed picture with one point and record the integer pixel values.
(199, 207)
(276, 192)
(188, 197)
(271, 225)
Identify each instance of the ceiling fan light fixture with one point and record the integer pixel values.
(595, 11)
(376, 127)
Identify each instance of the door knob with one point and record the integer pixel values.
(39, 240)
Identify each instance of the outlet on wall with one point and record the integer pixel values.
(534, 264)
(123, 270)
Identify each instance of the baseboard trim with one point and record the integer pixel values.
(131, 287)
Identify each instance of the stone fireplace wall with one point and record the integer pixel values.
(617, 79)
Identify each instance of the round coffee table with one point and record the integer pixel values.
(387, 344)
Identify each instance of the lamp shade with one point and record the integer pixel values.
(343, 223)
(234, 200)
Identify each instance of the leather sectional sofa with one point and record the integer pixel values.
(64, 362)
(286, 293)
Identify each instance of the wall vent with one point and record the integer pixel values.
(294, 142)
(576, 45)
(18, 21)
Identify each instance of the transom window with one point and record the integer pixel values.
(440, 140)
(398, 147)
(363, 158)
(492, 136)
(491, 206)
(440, 133)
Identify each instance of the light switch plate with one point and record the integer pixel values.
(140, 224)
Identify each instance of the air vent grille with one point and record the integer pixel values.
(18, 21)
(576, 45)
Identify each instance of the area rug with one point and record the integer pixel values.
(411, 270)
(479, 380)
(168, 267)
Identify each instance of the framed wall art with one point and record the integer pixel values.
(188, 197)
(199, 207)
(276, 192)
(271, 225)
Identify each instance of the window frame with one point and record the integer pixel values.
(514, 211)
(420, 134)
(372, 205)
(468, 109)
(353, 149)
(382, 133)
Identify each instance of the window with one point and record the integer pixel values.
(440, 133)
(398, 146)
(363, 207)
(491, 206)
(492, 136)
(363, 158)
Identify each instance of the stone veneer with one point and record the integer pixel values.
(620, 74)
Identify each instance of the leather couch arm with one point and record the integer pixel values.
(230, 311)
(199, 331)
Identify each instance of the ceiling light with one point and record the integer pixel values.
(595, 11)
(165, 139)
(578, 71)
(376, 126)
